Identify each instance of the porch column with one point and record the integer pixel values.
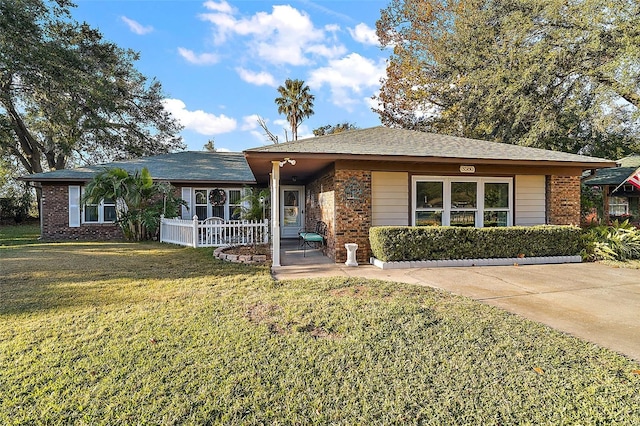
(605, 204)
(275, 213)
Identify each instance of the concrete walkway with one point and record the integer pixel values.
(592, 301)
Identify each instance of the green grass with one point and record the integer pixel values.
(123, 333)
(19, 234)
(629, 264)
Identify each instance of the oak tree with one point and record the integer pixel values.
(68, 96)
(331, 129)
(544, 73)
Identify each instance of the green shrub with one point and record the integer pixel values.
(139, 200)
(620, 241)
(402, 243)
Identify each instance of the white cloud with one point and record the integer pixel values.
(332, 28)
(348, 78)
(373, 103)
(136, 27)
(198, 59)
(222, 7)
(286, 36)
(250, 122)
(199, 121)
(364, 34)
(259, 136)
(304, 132)
(223, 150)
(327, 51)
(281, 122)
(258, 78)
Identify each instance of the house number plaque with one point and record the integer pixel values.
(467, 169)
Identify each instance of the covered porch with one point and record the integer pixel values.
(291, 254)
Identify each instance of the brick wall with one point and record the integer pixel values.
(353, 213)
(320, 206)
(55, 219)
(563, 200)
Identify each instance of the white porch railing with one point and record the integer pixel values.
(207, 233)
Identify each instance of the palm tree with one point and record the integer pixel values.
(295, 102)
(139, 200)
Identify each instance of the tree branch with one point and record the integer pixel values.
(628, 95)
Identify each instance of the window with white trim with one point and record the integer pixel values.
(497, 210)
(618, 206)
(105, 212)
(201, 204)
(429, 202)
(227, 211)
(462, 201)
(234, 200)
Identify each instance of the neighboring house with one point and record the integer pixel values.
(363, 178)
(620, 199)
(194, 174)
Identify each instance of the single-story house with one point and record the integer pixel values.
(194, 173)
(621, 200)
(352, 181)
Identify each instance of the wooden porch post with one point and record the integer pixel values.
(605, 206)
(275, 213)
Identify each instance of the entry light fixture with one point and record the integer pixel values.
(288, 160)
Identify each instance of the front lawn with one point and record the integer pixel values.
(123, 333)
(630, 264)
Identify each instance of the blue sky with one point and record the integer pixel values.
(220, 62)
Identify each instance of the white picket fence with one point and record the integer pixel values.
(213, 233)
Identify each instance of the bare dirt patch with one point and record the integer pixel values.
(358, 291)
(264, 313)
(267, 314)
(318, 332)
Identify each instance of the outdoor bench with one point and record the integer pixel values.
(318, 236)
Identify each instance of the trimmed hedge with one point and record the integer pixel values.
(402, 243)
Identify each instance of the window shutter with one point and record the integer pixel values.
(186, 196)
(74, 206)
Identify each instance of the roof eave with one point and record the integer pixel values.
(158, 179)
(275, 156)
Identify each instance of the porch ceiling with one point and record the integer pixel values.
(303, 170)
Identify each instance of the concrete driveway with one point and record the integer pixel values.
(595, 302)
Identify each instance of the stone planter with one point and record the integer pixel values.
(253, 259)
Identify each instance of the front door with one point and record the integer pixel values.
(291, 210)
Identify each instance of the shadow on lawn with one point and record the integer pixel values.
(65, 275)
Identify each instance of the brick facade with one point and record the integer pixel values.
(55, 219)
(563, 200)
(341, 199)
(320, 206)
(353, 213)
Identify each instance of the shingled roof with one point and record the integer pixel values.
(389, 142)
(615, 175)
(187, 166)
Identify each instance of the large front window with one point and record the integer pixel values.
(229, 210)
(461, 201)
